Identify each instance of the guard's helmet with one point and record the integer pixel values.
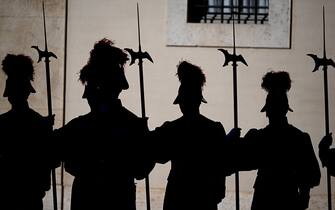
(277, 84)
(104, 69)
(20, 71)
(192, 80)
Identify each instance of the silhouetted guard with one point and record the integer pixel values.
(234, 59)
(140, 56)
(46, 55)
(325, 62)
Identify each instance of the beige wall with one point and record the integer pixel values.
(21, 26)
(90, 21)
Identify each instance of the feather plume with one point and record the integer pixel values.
(18, 66)
(276, 81)
(190, 74)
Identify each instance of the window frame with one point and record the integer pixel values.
(220, 11)
(276, 33)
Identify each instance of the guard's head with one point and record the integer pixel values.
(192, 80)
(20, 71)
(103, 75)
(277, 84)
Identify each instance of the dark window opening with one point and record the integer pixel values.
(224, 11)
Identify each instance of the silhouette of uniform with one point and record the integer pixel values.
(193, 144)
(105, 147)
(283, 154)
(327, 154)
(25, 163)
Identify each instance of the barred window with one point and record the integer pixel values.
(209, 23)
(224, 11)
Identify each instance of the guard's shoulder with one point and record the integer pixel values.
(35, 113)
(4, 116)
(130, 118)
(205, 119)
(173, 123)
(217, 124)
(128, 114)
(82, 119)
(212, 123)
(3, 119)
(253, 132)
(76, 125)
(170, 125)
(297, 131)
(36, 116)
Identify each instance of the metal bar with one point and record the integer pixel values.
(256, 11)
(64, 97)
(329, 189)
(248, 13)
(240, 5)
(327, 132)
(237, 182)
(47, 68)
(264, 18)
(140, 65)
(222, 11)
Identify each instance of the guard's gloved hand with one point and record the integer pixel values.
(324, 148)
(326, 141)
(49, 121)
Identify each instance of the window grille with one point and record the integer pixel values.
(224, 11)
